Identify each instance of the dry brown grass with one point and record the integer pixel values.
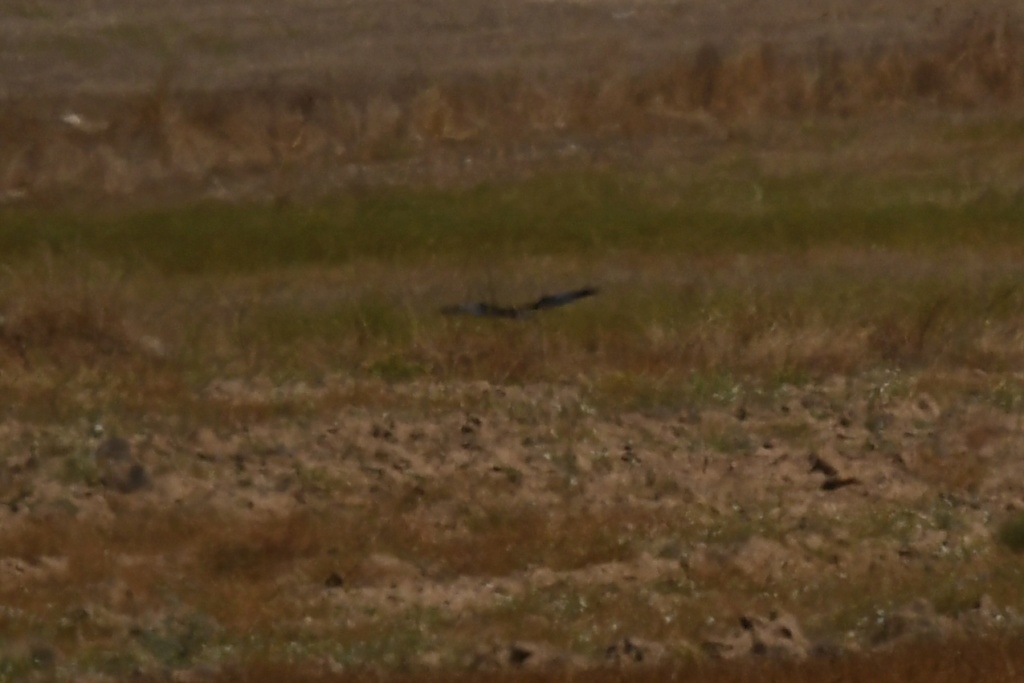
(253, 579)
(74, 306)
(494, 539)
(622, 354)
(188, 140)
(658, 338)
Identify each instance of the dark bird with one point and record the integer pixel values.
(488, 310)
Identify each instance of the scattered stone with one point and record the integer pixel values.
(810, 536)
(778, 637)
(926, 409)
(629, 455)
(470, 432)
(471, 425)
(635, 651)
(384, 432)
(523, 655)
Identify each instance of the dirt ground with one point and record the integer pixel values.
(433, 526)
(487, 527)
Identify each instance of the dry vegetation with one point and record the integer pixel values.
(427, 125)
(239, 442)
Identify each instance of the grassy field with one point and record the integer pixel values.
(720, 291)
(805, 277)
(240, 441)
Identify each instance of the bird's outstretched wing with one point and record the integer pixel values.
(488, 310)
(553, 300)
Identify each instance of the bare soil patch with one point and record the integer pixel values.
(860, 513)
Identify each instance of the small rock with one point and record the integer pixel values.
(629, 455)
(334, 580)
(384, 432)
(470, 432)
(781, 636)
(471, 425)
(520, 654)
(635, 651)
(778, 637)
(523, 655)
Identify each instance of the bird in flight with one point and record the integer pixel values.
(484, 309)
